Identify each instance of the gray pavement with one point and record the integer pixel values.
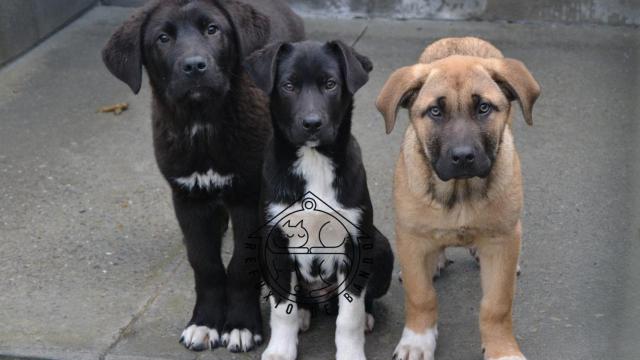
(91, 260)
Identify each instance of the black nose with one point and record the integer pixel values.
(312, 123)
(194, 65)
(462, 156)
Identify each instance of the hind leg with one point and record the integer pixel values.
(381, 269)
(304, 317)
(370, 320)
(442, 263)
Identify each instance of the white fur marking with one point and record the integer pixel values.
(239, 340)
(196, 128)
(350, 327)
(417, 346)
(304, 319)
(210, 179)
(283, 344)
(509, 358)
(318, 172)
(200, 337)
(370, 323)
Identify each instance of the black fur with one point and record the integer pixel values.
(311, 68)
(212, 119)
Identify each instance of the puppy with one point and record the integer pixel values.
(210, 127)
(314, 176)
(458, 182)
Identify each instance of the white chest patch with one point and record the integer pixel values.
(205, 181)
(318, 172)
(324, 241)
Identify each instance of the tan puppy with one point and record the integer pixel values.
(458, 182)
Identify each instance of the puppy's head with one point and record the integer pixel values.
(459, 107)
(311, 87)
(190, 49)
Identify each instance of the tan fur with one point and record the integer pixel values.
(486, 212)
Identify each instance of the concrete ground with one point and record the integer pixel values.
(91, 260)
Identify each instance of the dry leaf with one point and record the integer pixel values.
(117, 109)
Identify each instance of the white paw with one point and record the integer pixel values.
(351, 353)
(416, 345)
(240, 340)
(198, 338)
(509, 358)
(369, 323)
(304, 319)
(280, 349)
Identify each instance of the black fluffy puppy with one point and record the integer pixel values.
(210, 126)
(314, 180)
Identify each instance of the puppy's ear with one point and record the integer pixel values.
(262, 65)
(400, 90)
(252, 28)
(123, 52)
(517, 83)
(356, 67)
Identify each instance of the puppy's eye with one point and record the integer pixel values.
(330, 84)
(484, 109)
(434, 112)
(212, 29)
(164, 38)
(288, 86)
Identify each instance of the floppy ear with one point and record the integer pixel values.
(400, 90)
(123, 53)
(252, 28)
(517, 83)
(262, 65)
(356, 67)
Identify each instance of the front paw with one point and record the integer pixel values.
(280, 348)
(416, 345)
(199, 338)
(241, 340)
(516, 357)
(243, 330)
(353, 353)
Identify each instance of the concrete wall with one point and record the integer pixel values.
(609, 12)
(24, 23)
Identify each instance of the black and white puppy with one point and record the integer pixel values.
(311, 87)
(210, 127)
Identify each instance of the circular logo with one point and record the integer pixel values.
(316, 243)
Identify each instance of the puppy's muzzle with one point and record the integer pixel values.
(463, 162)
(312, 123)
(194, 66)
(462, 157)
